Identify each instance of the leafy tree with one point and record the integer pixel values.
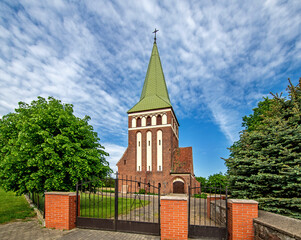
(44, 147)
(202, 180)
(265, 163)
(255, 119)
(218, 180)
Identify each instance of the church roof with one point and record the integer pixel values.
(182, 160)
(154, 93)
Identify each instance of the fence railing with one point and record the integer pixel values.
(38, 200)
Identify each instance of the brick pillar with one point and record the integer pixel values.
(240, 218)
(174, 217)
(60, 210)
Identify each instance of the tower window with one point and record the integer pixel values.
(148, 143)
(139, 168)
(159, 168)
(159, 120)
(159, 142)
(138, 122)
(148, 121)
(124, 162)
(139, 143)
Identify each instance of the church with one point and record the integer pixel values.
(153, 151)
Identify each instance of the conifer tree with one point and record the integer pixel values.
(265, 164)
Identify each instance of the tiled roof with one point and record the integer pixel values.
(182, 160)
(154, 93)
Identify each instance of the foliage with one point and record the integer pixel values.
(255, 119)
(202, 180)
(13, 207)
(38, 200)
(108, 191)
(44, 147)
(218, 180)
(203, 195)
(94, 205)
(142, 191)
(265, 163)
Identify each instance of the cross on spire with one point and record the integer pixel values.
(156, 30)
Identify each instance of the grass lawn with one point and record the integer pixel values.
(13, 207)
(104, 206)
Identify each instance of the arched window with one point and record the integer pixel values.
(159, 151)
(159, 120)
(148, 121)
(149, 151)
(139, 151)
(138, 122)
(164, 119)
(133, 122)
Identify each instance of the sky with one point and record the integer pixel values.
(220, 58)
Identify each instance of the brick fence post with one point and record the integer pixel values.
(174, 217)
(240, 218)
(60, 210)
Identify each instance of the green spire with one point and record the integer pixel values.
(154, 93)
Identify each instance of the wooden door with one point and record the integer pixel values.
(178, 187)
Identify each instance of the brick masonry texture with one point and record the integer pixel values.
(174, 219)
(128, 162)
(60, 210)
(240, 220)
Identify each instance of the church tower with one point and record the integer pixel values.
(153, 135)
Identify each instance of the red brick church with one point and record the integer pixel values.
(153, 151)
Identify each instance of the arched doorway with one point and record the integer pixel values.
(178, 185)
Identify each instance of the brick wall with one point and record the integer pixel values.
(60, 210)
(174, 217)
(240, 218)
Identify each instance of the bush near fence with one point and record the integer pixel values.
(38, 200)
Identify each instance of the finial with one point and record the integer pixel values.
(156, 30)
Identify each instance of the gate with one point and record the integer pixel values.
(207, 214)
(121, 204)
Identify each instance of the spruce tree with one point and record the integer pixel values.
(265, 164)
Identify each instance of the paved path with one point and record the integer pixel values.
(32, 230)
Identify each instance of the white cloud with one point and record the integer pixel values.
(217, 57)
(116, 152)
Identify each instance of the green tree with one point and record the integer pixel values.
(265, 163)
(255, 119)
(44, 147)
(202, 180)
(218, 180)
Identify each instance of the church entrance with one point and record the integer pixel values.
(178, 187)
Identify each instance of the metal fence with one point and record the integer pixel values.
(207, 211)
(38, 200)
(122, 204)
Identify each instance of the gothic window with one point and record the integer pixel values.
(148, 121)
(159, 120)
(164, 119)
(149, 150)
(159, 151)
(138, 122)
(139, 152)
(133, 122)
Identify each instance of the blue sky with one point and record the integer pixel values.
(219, 59)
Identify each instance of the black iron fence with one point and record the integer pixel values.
(132, 205)
(38, 200)
(207, 215)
